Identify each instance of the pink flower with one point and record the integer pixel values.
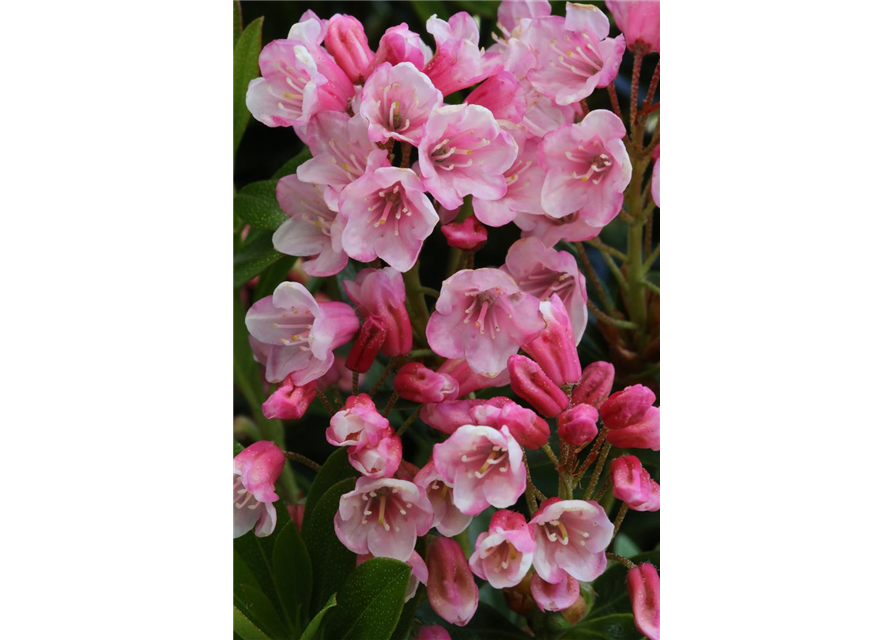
(571, 228)
(451, 589)
(634, 485)
(457, 63)
(255, 471)
(418, 572)
(463, 151)
(643, 584)
(416, 383)
(380, 460)
(448, 520)
(381, 294)
(655, 177)
(397, 101)
(555, 349)
(526, 427)
(544, 114)
(387, 216)
(338, 376)
(299, 332)
(627, 407)
(577, 425)
(512, 13)
(358, 424)
(468, 235)
(587, 168)
(543, 272)
(365, 348)
(571, 536)
(555, 597)
(450, 415)
(433, 632)
(483, 466)
(574, 54)
(308, 231)
(346, 41)
(399, 44)
(595, 385)
(503, 554)
(639, 20)
(289, 402)
(502, 95)
(483, 316)
(531, 383)
(383, 517)
(642, 434)
(469, 380)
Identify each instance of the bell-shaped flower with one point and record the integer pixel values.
(502, 95)
(357, 424)
(381, 294)
(643, 584)
(578, 425)
(639, 20)
(526, 427)
(571, 536)
(595, 384)
(530, 382)
(468, 235)
(451, 589)
(255, 471)
(469, 380)
(346, 41)
(397, 101)
(417, 383)
(633, 485)
(448, 416)
(503, 554)
(555, 349)
(555, 597)
(448, 520)
(380, 460)
(433, 632)
(570, 228)
(399, 44)
(457, 62)
(644, 433)
(289, 402)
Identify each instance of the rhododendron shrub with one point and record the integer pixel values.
(447, 321)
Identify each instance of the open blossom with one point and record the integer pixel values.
(643, 584)
(555, 597)
(503, 554)
(255, 471)
(388, 216)
(400, 44)
(417, 383)
(448, 520)
(571, 536)
(502, 95)
(346, 41)
(357, 424)
(513, 13)
(396, 102)
(555, 349)
(483, 466)
(595, 385)
(634, 485)
(289, 402)
(383, 517)
(571, 228)
(483, 316)
(574, 54)
(299, 332)
(451, 589)
(381, 294)
(639, 20)
(457, 62)
(464, 152)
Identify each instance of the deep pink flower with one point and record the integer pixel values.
(642, 434)
(555, 349)
(469, 380)
(397, 101)
(383, 517)
(368, 343)
(595, 385)
(433, 632)
(655, 177)
(387, 216)
(483, 466)
(468, 235)
(448, 520)
(289, 402)
(502, 95)
(639, 20)
(555, 597)
(526, 427)
(380, 460)
(643, 584)
(457, 62)
(634, 485)
(452, 414)
(483, 316)
(299, 332)
(627, 407)
(451, 589)
(255, 471)
(380, 293)
(464, 152)
(357, 424)
(399, 44)
(574, 54)
(577, 425)
(346, 41)
(503, 554)
(571, 536)
(417, 383)
(418, 572)
(531, 383)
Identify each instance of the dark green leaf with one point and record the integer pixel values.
(245, 69)
(477, 8)
(241, 575)
(487, 624)
(256, 255)
(370, 601)
(292, 165)
(257, 553)
(292, 573)
(237, 448)
(409, 609)
(275, 275)
(611, 595)
(237, 21)
(262, 611)
(335, 469)
(257, 205)
(246, 629)
(312, 628)
(618, 626)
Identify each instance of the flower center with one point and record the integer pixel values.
(546, 282)
(391, 201)
(465, 143)
(242, 498)
(494, 456)
(302, 336)
(579, 57)
(346, 161)
(292, 99)
(483, 303)
(387, 508)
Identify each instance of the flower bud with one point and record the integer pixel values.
(450, 415)
(633, 485)
(555, 597)
(433, 632)
(555, 349)
(380, 460)
(416, 383)
(530, 382)
(451, 589)
(526, 427)
(639, 20)
(365, 348)
(643, 583)
(595, 384)
(577, 425)
(518, 598)
(289, 402)
(502, 95)
(346, 41)
(469, 380)
(468, 235)
(399, 44)
(380, 293)
(644, 434)
(627, 407)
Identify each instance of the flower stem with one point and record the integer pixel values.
(415, 298)
(598, 471)
(409, 421)
(619, 519)
(626, 562)
(304, 460)
(325, 401)
(384, 375)
(391, 402)
(355, 384)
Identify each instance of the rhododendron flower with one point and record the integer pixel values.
(448, 520)
(417, 383)
(381, 294)
(555, 597)
(571, 536)
(397, 101)
(503, 554)
(399, 44)
(531, 383)
(574, 54)
(299, 332)
(375, 450)
(526, 427)
(570, 228)
(346, 41)
(639, 20)
(255, 471)
(483, 316)
(418, 572)
(457, 62)
(388, 216)
(502, 95)
(450, 415)
(464, 152)
(383, 517)
(577, 425)
(655, 177)
(555, 349)
(513, 13)
(483, 466)
(380, 460)
(433, 632)
(544, 114)
(595, 384)
(451, 589)
(627, 407)
(643, 584)
(469, 380)
(289, 402)
(642, 434)
(468, 235)
(634, 485)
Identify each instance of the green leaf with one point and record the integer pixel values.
(611, 594)
(312, 628)
(486, 624)
(245, 69)
(292, 573)
(409, 609)
(332, 561)
(260, 609)
(237, 448)
(257, 205)
(257, 553)
(618, 626)
(256, 255)
(335, 469)
(237, 21)
(370, 601)
(241, 575)
(274, 275)
(246, 629)
(292, 165)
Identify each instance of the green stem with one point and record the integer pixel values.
(415, 298)
(601, 315)
(626, 562)
(635, 298)
(619, 519)
(297, 457)
(650, 261)
(598, 471)
(409, 421)
(651, 286)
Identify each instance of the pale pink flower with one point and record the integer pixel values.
(468, 235)
(433, 632)
(469, 380)
(574, 54)
(299, 332)
(397, 101)
(448, 520)
(417, 383)
(464, 152)
(571, 228)
(451, 589)
(484, 467)
(457, 62)
(512, 13)
(544, 114)
(643, 584)
(503, 554)
(483, 316)
(555, 349)
(418, 572)
(346, 41)
(502, 95)
(387, 216)
(655, 177)
(255, 471)
(383, 517)
(530, 382)
(380, 460)
(530, 430)
(578, 425)
(289, 402)
(639, 20)
(595, 385)
(571, 536)
(554, 597)
(399, 44)
(357, 424)
(633, 484)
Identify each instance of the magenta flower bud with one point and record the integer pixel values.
(501, 94)
(555, 349)
(468, 235)
(633, 485)
(595, 385)
(530, 382)
(555, 597)
(289, 402)
(452, 414)
(639, 20)
(577, 425)
(526, 427)
(643, 583)
(346, 41)
(469, 380)
(627, 407)
(433, 632)
(382, 294)
(365, 348)
(416, 383)
(255, 471)
(644, 434)
(399, 44)
(451, 589)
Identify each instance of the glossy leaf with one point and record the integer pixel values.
(246, 629)
(262, 611)
(335, 469)
(257, 205)
(256, 255)
(370, 601)
(310, 632)
(245, 69)
(237, 21)
(292, 573)
(611, 594)
(618, 626)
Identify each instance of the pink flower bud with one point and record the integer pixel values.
(380, 460)
(644, 434)
(452, 414)
(577, 425)
(634, 485)
(639, 20)
(451, 589)
(501, 94)
(555, 597)
(416, 383)
(255, 471)
(357, 424)
(468, 235)
(643, 583)
(555, 349)
(627, 407)
(433, 632)
(526, 427)
(289, 402)
(367, 345)
(382, 294)
(469, 380)
(530, 382)
(595, 385)
(346, 41)
(504, 553)
(399, 44)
